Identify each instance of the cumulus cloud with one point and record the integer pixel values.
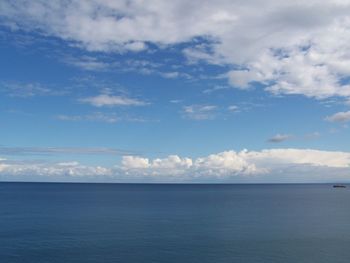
(339, 117)
(135, 162)
(276, 165)
(298, 47)
(225, 163)
(172, 165)
(243, 162)
(111, 101)
(280, 138)
(247, 164)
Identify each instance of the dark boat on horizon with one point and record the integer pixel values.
(339, 186)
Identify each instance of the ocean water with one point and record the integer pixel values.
(82, 223)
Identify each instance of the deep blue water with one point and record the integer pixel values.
(173, 223)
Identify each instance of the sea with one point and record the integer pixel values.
(175, 223)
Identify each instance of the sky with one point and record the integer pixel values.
(175, 91)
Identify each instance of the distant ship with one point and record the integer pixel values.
(339, 186)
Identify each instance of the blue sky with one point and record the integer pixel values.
(154, 91)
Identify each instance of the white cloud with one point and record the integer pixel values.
(233, 108)
(274, 157)
(224, 164)
(298, 47)
(135, 46)
(135, 162)
(170, 75)
(88, 63)
(3, 165)
(339, 117)
(71, 164)
(52, 171)
(175, 101)
(111, 101)
(280, 138)
(253, 164)
(170, 166)
(110, 118)
(199, 112)
(215, 165)
(214, 89)
(272, 165)
(241, 78)
(96, 116)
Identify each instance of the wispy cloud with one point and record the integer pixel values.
(88, 63)
(233, 108)
(339, 117)
(199, 112)
(140, 66)
(61, 150)
(112, 101)
(173, 74)
(176, 101)
(280, 138)
(313, 135)
(25, 89)
(216, 88)
(96, 116)
(100, 117)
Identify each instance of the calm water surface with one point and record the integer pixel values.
(82, 223)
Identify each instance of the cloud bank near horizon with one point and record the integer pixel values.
(269, 165)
